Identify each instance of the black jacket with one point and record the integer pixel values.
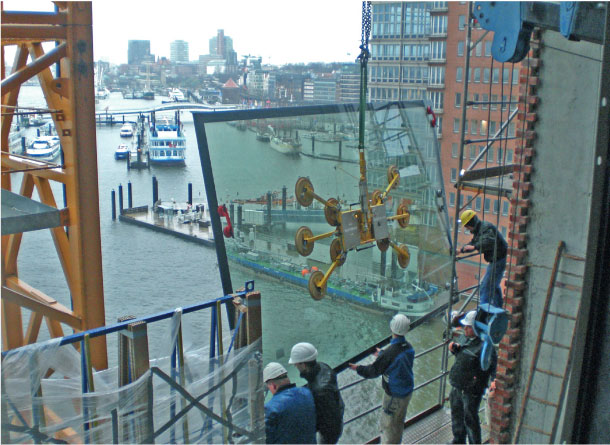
(466, 373)
(322, 382)
(484, 239)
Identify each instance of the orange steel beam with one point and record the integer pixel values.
(17, 285)
(72, 96)
(16, 162)
(20, 18)
(51, 309)
(31, 334)
(83, 196)
(27, 72)
(39, 33)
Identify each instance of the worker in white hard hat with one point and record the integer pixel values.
(468, 381)
(290, 415)
(395, 364)
(322, 381)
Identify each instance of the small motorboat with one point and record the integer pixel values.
(126, 131)
(121, 152)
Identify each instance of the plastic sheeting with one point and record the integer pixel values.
(214, 400)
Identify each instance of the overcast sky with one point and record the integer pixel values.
(287, 31)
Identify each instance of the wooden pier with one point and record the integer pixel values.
(182, 225)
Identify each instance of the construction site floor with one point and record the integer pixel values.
(436, 428)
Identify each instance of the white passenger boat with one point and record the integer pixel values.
(413, 302)
(127, 131)
(176, 95)
(45, 148)
(121, 152)
(167, 144)
(287, 146)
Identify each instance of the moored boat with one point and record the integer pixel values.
(415, 302)
(102, 93)
(126, 131)
(175, 95)
(287, 146)
(45, 148)
(16, 139)
(167, 144)
(121, 152)
(263, 136)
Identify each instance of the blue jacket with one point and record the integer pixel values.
(396, 365)
(290, 416)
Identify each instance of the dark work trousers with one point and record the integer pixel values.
(465, 416)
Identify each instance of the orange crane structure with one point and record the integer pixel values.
(62, 40)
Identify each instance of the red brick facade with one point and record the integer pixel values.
(502, 406)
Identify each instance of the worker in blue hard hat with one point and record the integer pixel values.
(290, 415)
(488, 241)
(395, 363)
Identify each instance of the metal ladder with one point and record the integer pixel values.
(535, 370)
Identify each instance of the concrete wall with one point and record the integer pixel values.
(559, 209)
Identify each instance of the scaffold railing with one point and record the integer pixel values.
(190, 392)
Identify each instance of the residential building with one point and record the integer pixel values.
(418, 52)
(138, 51)
(308, 87)
(221, 47)
(349, 84)
(261, 84)
(179, 51)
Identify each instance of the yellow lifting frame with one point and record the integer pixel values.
(72, 98)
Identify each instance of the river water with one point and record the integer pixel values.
(146, 272)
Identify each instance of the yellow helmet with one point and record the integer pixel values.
(466, 216)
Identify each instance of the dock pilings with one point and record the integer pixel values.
(155, 190)
(120, 199)
(113, 199)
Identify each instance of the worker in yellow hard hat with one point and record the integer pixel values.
(488, 241)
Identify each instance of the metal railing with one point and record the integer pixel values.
(414, 325)
(145, 426)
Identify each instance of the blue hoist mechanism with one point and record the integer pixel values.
(513, 23)
(358, 227)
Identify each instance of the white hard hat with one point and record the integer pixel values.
(400, 324)
(272, 371)
(303, 352)
(468, 319)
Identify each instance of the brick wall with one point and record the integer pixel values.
(503, 413)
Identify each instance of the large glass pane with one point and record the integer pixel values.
(257, 156)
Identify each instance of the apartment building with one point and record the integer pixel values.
(418, 51)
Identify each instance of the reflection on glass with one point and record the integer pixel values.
(257, 162)
(257, 156)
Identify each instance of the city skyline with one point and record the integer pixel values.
(278, 31)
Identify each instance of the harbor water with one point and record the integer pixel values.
(146, 272)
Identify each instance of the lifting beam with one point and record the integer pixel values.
(70, 94)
